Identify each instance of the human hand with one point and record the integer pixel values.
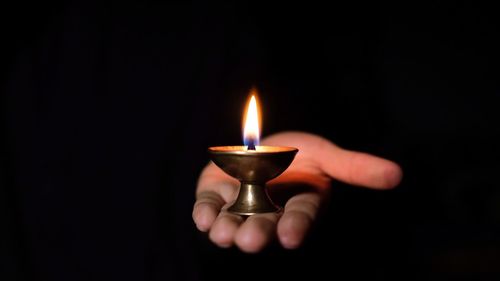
(317, 163)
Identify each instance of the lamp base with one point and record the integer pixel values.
(253, 199)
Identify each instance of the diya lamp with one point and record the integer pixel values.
(253, 165)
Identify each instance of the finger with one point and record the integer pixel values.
(256, 232)
(300, 212)
(206, 208)
(224, 229)
(359, 168)
(213, 191)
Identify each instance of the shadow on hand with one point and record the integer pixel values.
(283, 188)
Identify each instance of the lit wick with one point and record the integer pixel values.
(251, 131)
(251, 145)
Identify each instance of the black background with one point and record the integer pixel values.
(108, 108)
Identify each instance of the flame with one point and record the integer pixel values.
(251, 127)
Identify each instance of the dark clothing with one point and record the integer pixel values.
(108, 108)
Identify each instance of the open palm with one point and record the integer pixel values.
(317, 163)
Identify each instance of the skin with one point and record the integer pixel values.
(317, 163)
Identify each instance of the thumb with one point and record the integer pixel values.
(352, 167)
(358, 168)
